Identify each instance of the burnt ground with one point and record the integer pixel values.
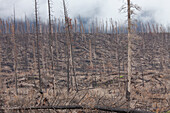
(101, 78)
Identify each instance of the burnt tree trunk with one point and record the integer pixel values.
(128, 90)
(37, 44)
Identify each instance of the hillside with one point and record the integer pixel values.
(99, 69)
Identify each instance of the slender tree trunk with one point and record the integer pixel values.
(106, 26)
(75, 28)
(51, 44)
(37, 44)
(117, 51)
(0, 57)
(59, 27)
(34, 66)
(0, 27)
(15, 55)
(90, 55)
(50, 33)
(0, 65)
(128, 92)
(57, 49)
(69, 48)
(15, 60)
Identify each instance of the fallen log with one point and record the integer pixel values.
(118, 110)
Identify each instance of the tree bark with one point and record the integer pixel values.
(38, 53)
(128, 90)
(51, 45)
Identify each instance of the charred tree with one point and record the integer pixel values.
(37, 44)
(51, 44)
(15, 55)
(69, 50)
(128, 90)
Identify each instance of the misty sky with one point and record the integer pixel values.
(156, 10)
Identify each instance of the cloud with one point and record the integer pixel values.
(157, 10)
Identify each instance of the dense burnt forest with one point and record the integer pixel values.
(96, 63)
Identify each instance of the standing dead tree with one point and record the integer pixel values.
(25, 45)
(129, 56)
(1, 85)
(15, 54)
(90, 54)
(69, 51)
(37, 44)
(117, 49)
(51, 44)
(0, 27)
(130, 12)
(15, 59)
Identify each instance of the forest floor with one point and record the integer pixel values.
(151, 93)
(103, 84)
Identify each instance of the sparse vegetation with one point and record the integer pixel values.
(65, 66)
